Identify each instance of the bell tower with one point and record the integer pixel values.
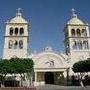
(77, 38)
(16, 37)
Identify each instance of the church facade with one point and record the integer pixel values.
(50, 67)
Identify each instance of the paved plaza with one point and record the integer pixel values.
(57, 87)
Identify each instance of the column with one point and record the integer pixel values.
(31, 78)
(35, 76)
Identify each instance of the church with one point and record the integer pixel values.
(50, 67)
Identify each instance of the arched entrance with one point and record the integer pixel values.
(49, 78)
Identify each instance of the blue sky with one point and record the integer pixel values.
(48, 18)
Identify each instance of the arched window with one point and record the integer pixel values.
(20, 44)
(85, 45)
(78, 32)
(21, 31)
(15, 44)
(84, 33)
(73, 32)
(16, 31)
(74, 45)
(79, 44)
(10, 45)
(11, 31)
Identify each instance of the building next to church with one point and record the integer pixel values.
(50, 67)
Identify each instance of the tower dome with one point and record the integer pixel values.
(18, 18)
(74, 20)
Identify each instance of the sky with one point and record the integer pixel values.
(48, 18)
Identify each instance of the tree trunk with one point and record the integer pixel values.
(81, 81)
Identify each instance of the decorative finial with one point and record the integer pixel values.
(73, 13)
(19, 12)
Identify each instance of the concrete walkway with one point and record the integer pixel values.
(57, 87)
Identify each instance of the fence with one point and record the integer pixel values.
(18, 88)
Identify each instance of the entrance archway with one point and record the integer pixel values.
(49, 78)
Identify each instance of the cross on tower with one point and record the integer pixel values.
(19, 12)
(73, 12)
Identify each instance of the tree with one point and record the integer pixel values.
(16, 66)
(82, 67)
